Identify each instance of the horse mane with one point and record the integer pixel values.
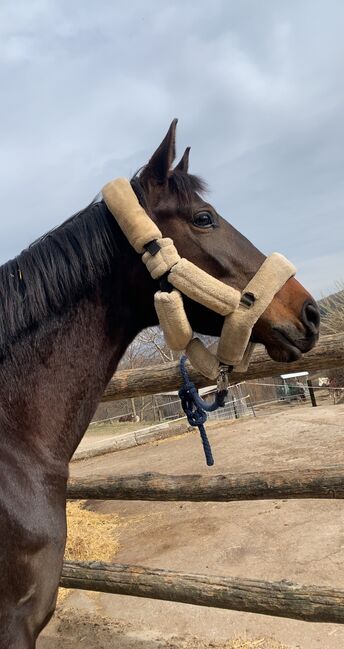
(56, 271)
(67, 263)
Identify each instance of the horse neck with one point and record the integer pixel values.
(55, 378)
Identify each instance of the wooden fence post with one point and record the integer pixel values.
(311, 393)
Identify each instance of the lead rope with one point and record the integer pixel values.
(196, 408)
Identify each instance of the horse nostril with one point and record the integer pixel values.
(311, 316)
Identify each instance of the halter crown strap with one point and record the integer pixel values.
(134, 222)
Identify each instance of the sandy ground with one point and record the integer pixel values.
(301, 541)
(100, 434)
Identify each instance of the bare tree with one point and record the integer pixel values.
(332, 308)
(153, 339)
(332, 321)
(148, 348)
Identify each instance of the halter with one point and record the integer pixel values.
(179, 277)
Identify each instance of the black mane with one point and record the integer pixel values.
(56, 271)
(67, 263)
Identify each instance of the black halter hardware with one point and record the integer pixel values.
(153, 248)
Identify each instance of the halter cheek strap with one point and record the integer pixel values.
(161, 258)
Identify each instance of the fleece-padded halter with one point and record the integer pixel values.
(241, 311)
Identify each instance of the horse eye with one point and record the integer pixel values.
(203, 220)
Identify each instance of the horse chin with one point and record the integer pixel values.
(283, 347)
(283, 353)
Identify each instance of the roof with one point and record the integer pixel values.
(293, 375)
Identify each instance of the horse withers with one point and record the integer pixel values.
(70, 305)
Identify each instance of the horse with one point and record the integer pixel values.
(70, 305)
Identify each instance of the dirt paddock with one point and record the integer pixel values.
(301, 541)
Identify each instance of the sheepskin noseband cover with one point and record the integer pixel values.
(186, 278)
(237, 328)
(234, 347)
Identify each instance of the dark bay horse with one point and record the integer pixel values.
(70, 305)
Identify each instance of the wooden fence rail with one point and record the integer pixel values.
(294, 483)
(283, 599)
(329, 352)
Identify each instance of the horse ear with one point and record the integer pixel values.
(183, 164)
(160, 163)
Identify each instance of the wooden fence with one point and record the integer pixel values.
(328, 353)
(283, 599)
(269, 485)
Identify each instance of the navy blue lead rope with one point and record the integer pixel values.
(196, 408)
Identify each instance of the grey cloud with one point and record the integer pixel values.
(88, 90)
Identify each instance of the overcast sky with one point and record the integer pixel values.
(88, 90)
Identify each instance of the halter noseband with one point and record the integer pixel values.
(240, 310)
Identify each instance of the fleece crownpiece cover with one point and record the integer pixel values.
(134, 222)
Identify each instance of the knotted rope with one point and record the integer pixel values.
(196, 408)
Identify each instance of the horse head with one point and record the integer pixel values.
(175, 201)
